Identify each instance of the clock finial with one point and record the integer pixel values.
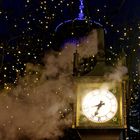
(75, 63)
(81, 8)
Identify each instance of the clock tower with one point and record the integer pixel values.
(100, 109)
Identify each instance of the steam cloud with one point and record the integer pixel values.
(117, 74)
(40, 105)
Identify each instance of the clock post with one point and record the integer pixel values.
(100, 109)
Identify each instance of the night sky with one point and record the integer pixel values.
(27, 33)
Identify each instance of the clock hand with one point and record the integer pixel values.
(98, 107)
(96, 113)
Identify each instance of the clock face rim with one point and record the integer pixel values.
(101, 105)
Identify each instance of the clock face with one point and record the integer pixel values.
(99, 105)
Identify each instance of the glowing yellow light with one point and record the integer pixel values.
(99, 105)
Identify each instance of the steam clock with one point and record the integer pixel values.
(100, 109)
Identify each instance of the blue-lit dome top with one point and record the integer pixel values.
(76, 28)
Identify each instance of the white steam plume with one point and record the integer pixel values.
(117, 74)
(39, 106)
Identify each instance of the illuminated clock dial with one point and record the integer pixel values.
(99, 105)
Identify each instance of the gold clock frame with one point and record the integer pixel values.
(86, 84)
